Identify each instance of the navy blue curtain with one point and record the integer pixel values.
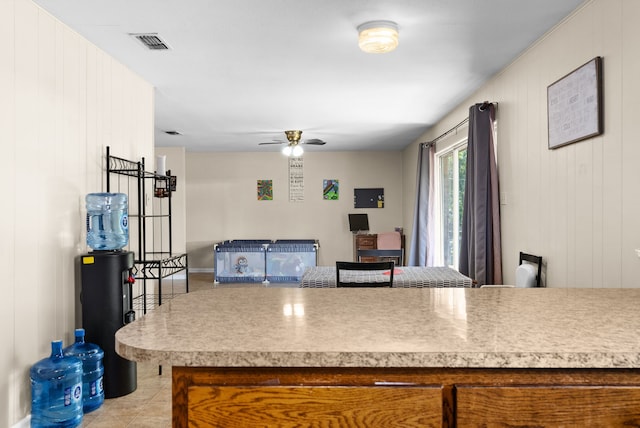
(480, 247)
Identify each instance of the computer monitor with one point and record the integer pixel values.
(358, 222)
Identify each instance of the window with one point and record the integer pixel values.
(451, 165)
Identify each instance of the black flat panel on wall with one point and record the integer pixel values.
(368, 198)
(358, 222)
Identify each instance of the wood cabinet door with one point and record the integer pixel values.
(547, 406)
(318, 406)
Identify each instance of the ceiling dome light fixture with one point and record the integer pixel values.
(378, 36)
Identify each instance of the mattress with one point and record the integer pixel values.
(403, 277)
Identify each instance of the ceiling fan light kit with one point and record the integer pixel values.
(293, 147)
(288, 151)
(297, 151)
(378, 36)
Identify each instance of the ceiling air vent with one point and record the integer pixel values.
(151, 41)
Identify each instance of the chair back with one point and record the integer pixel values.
(366, 274)
(524, 271)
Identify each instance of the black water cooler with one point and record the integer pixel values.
(106, 299)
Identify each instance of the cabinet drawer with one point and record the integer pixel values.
(548, 406)
(331, 406)
(366, 243)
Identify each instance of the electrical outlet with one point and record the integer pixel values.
(503, 198)
(638, 252)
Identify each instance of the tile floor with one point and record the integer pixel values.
(150, 404)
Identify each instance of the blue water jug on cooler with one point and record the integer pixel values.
(56, 390)
(107, 221)
(92, 371)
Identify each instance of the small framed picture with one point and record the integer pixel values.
(265, 190)
(330, 189)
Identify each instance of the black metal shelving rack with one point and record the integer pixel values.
(149, 265)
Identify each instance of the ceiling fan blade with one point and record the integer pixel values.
(315, 141)
(271, 142)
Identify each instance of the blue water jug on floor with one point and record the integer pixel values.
(56, 390)
(107, 221)
(92, 370)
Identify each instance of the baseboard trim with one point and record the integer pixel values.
(200, 270)
(24, 423)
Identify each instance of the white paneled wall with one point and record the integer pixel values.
(629, 112)
(62, 102)
(577, 206)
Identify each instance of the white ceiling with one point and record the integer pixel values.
(239, 72)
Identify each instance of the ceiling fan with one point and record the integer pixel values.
(292, 147)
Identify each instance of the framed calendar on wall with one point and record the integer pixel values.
(574, 105)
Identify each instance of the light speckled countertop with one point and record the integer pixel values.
(446, 327)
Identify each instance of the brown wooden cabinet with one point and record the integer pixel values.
(548, 406)
(364, 242)
(278, 406)
(370, 242)
(405, 397)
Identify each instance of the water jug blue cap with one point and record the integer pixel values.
(56, 346)
(79, 332)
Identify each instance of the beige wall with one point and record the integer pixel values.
(63, 101)
(577, 206)
(222, 202)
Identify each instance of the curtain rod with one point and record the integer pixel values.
(441, 136)
(455, 128)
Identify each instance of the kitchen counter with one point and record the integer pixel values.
(485, 338)
(497, 327)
